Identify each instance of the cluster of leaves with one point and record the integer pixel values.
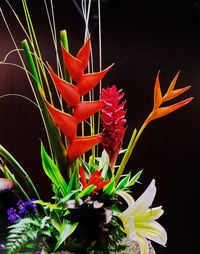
(25, 234)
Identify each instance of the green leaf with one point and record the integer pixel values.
(30, 245)
(108, 174)
(66, 198)
(53, 206)
(52, 130)
(52, 171)
(123, 183)
(67, 229)
(73, 182)
(86, 191)
(108, 189)
(134, 179)
(18, 168)
(55, 220)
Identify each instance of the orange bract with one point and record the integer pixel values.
(170, 94)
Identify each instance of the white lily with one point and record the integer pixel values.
(139, 220)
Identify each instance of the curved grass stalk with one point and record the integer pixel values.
(54, 36)
(20, 95)
(9, 53)
(18, 168)
(19, 191)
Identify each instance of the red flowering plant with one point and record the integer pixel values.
(84, 215)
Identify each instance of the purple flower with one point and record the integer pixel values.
(24, 209)
(12, 215)
(19, 203)
(28, 207)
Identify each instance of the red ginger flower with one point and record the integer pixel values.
(95, 179)
(113, 121)
(71, 94)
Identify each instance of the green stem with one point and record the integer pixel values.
(129, 151)
(19, 191)
(55, 141)
(24, 176)
(64, 40)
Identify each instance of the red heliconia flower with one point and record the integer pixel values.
(95, 179)
(71, 94)
(113, 122)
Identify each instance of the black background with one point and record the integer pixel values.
(140, 38)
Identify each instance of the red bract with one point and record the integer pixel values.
(71, 94)
(113, 121)
(95, 179)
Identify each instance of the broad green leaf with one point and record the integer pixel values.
(123, 183)
(109, 188)
(67, 229)
(55, 220)
(52, 171)
(134, 179)
(86, 191)
(66, 198)
(73, 184)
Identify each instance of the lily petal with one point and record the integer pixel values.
(68, 91)
(84, 54)
(89, 81)
(144, 201)
(73, 65)
(144, 246)
(86, 109)
(152, 231)
(65, 122)
(127, 197)
(150, 215)
(80, 145)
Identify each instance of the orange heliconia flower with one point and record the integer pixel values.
(71, 94)
(95, 179)
(158, 111)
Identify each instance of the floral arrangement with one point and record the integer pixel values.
(85, 214)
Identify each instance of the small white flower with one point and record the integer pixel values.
(139, 220)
